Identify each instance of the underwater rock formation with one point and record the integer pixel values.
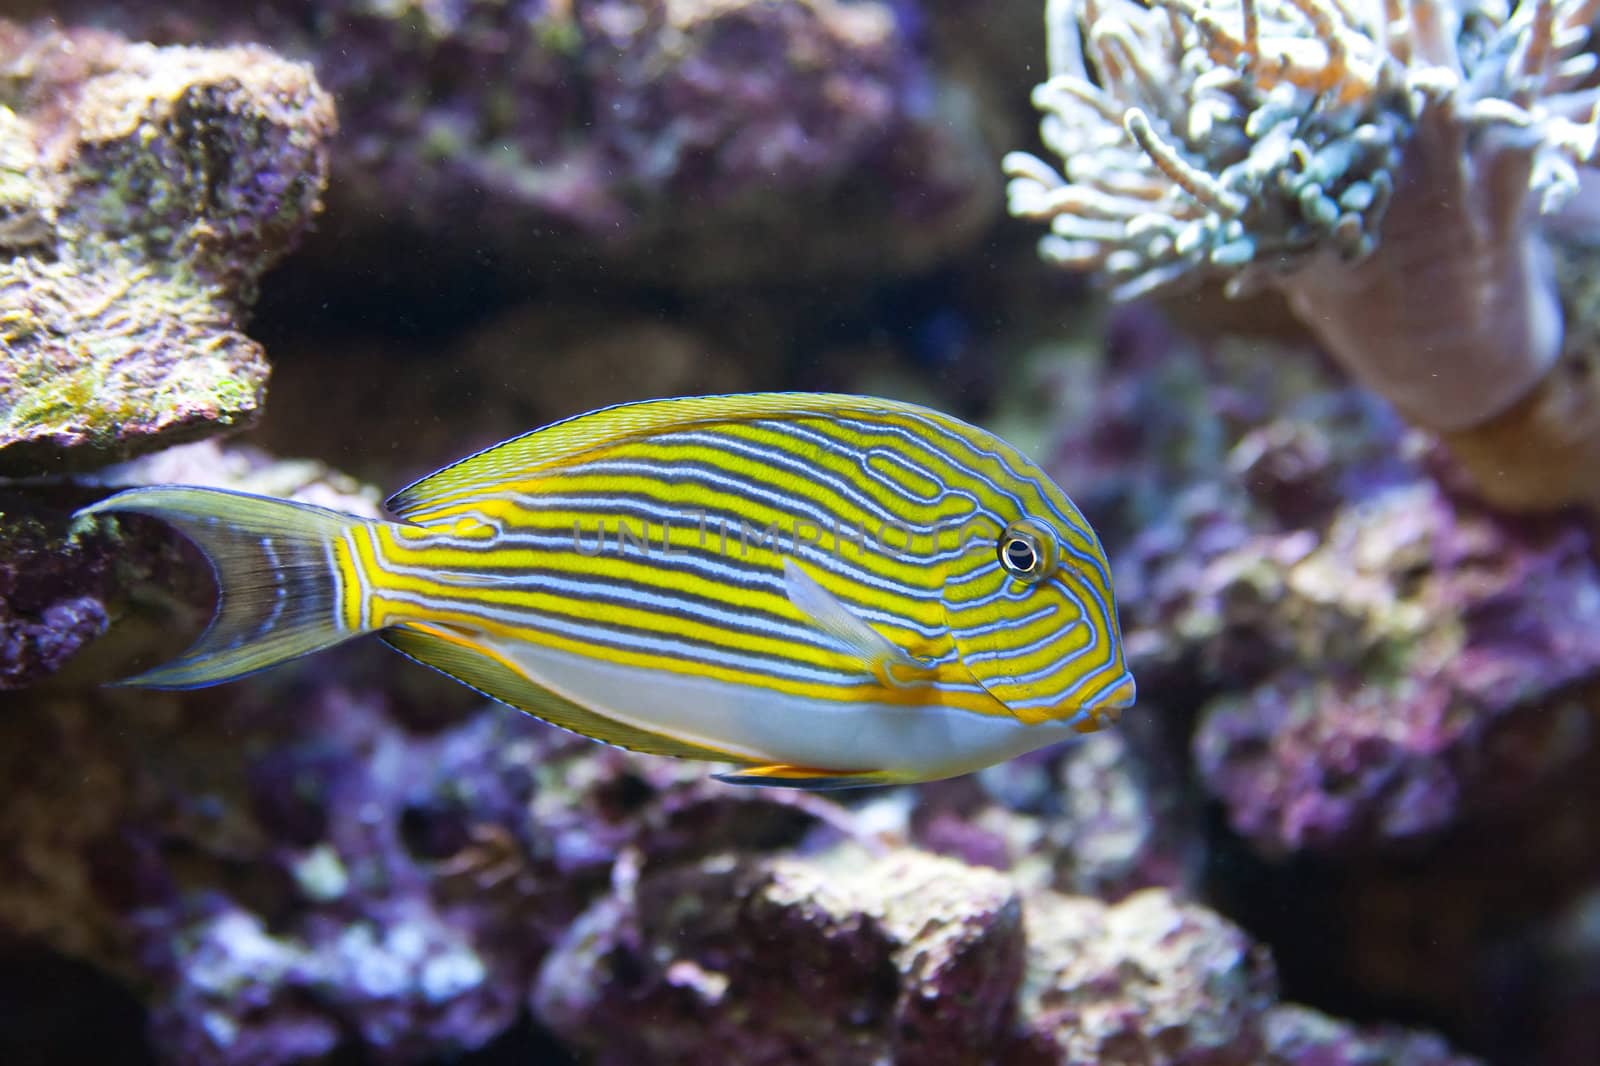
(1372, 655)
(318, 862)
(143, 191)
(73, 874)
(300, 872)
(786, 960)
(1104, 817)
(1485, 929)
(671, 141)
(1295, 1036)
(832, 959)
(59, 589)
(1397, 172)
(1432, 665)
(1145, 980)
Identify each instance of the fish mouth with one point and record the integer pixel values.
(1105, 709)
(1118, 697)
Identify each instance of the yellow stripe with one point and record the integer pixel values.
(649, 572)
(355, 572)
(890, 563)
(867, 691)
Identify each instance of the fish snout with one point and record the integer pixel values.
(1107, 707)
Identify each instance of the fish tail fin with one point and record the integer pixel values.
(280, 591)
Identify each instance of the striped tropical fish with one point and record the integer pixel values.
(826, 590)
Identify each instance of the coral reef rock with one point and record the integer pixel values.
(317, 864)
(143, 191)
(1146, 980)
(1295, 1036)
(59, 588)
(1433, 658)
(905, 957)
(351, 856)
(1103, 816)
(302, 873)
(675, 141)
(1372, 654)
(786, 961)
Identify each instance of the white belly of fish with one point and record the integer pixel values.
(771, 727)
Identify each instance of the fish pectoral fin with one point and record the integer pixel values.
(779, 775)
(461, 655)
(829, 614)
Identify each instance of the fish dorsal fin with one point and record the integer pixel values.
(560, 441)
(456, 653)
(831, 615)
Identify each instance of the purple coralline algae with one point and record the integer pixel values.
(299, 873)
(840, 958)
(677, 141)
(346, 857)
(359, 942)
(52, 589)
(1431, 657)
(353, 859)
(143, 191)
(1371, 653)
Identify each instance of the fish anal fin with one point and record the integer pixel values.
(779, 775)
(457, 653)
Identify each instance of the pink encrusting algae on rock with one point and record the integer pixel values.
(1396, 170)
(1370, 656)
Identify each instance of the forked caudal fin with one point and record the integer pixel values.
(277, 582)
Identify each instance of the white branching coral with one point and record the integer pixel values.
(1386, 163)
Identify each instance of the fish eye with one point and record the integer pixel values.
(1020, 555)
(1025, 551)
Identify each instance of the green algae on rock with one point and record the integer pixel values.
(143, 191)
(100, 366)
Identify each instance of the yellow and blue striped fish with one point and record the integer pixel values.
(826, 590)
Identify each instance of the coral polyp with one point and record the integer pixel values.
(1355, 154)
